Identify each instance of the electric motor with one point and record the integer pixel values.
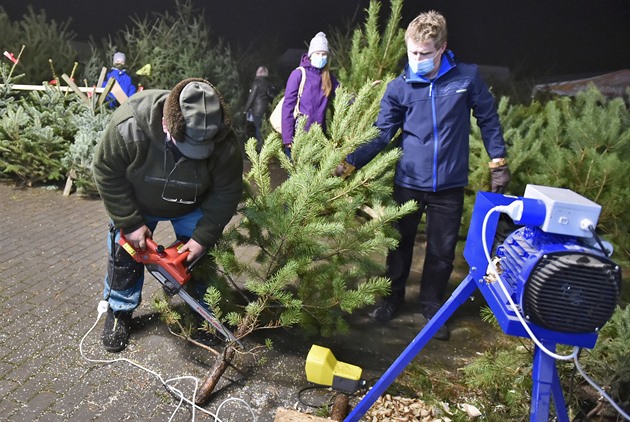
(560, 282)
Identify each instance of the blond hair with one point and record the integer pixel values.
(326, 81)
(427, 26)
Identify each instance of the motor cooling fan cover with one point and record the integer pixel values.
(563, 286)
(572, 292)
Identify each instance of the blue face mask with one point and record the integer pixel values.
(422, 67)
(319, 61)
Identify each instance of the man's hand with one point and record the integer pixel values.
(343, 170)
(500, 176)
(195, 250)
(138, 237)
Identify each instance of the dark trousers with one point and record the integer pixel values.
(258, 123)
(443, 211)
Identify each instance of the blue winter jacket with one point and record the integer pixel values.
(313, 102)
(434, 116)
(125, 82)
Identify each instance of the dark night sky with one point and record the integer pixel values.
(546, 37)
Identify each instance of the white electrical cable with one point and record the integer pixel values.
(573, 356)
(234, 399)
(601, 390)
(509, 297)
(102, 308)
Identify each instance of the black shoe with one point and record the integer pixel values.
(386, 311)
(443, 333)
(116, 331)
(428, 311)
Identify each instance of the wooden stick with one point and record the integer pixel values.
(17, 87)
(69, 181)
(101, 78)
(106, 90)
(75, 88)
(74, 68)
(118, 92)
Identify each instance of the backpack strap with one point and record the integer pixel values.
(296, 110)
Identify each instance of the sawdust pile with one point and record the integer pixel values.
(400, 409)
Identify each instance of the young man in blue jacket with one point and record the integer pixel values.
(431, 103)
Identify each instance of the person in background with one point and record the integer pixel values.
(318, 90)
(431, 102)
(164, 156)
(119, 73)
(260, 96)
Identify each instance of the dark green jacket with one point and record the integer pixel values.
(132, 165)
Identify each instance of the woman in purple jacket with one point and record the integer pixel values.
(319, 88)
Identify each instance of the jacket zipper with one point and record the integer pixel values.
(435, 137)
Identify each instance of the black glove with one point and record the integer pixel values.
(499, 178)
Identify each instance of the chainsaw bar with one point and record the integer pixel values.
(167, 266)
(208, 316)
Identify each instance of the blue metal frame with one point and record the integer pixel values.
(546, 383)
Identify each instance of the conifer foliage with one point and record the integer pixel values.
(579, 143)
(35, 136)
(43, 40)
(177, 46)
(509, 397)
(90, 124)
(47, 135)
(317, 254)
(374, 55)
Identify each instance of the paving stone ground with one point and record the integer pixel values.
(52, 261)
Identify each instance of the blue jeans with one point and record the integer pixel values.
(443, 217)
(128, 275)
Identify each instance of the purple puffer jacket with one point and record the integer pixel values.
(313, 102)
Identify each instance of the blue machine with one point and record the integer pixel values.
(551, 280)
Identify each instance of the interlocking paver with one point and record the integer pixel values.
(38, 405)
(52, 265)
(8, 408)
(52, 262)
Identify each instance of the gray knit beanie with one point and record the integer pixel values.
(318, 43)
(119, 58)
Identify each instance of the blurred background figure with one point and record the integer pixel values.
(119, 73)
(261, 93)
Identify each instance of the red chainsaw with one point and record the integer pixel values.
(169, 267)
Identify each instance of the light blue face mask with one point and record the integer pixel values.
(319, 61)
(422, 67)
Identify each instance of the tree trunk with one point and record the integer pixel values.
(340, 407)
(220, 366)
(211, 381)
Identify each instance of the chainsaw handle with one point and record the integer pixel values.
(152, 249)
